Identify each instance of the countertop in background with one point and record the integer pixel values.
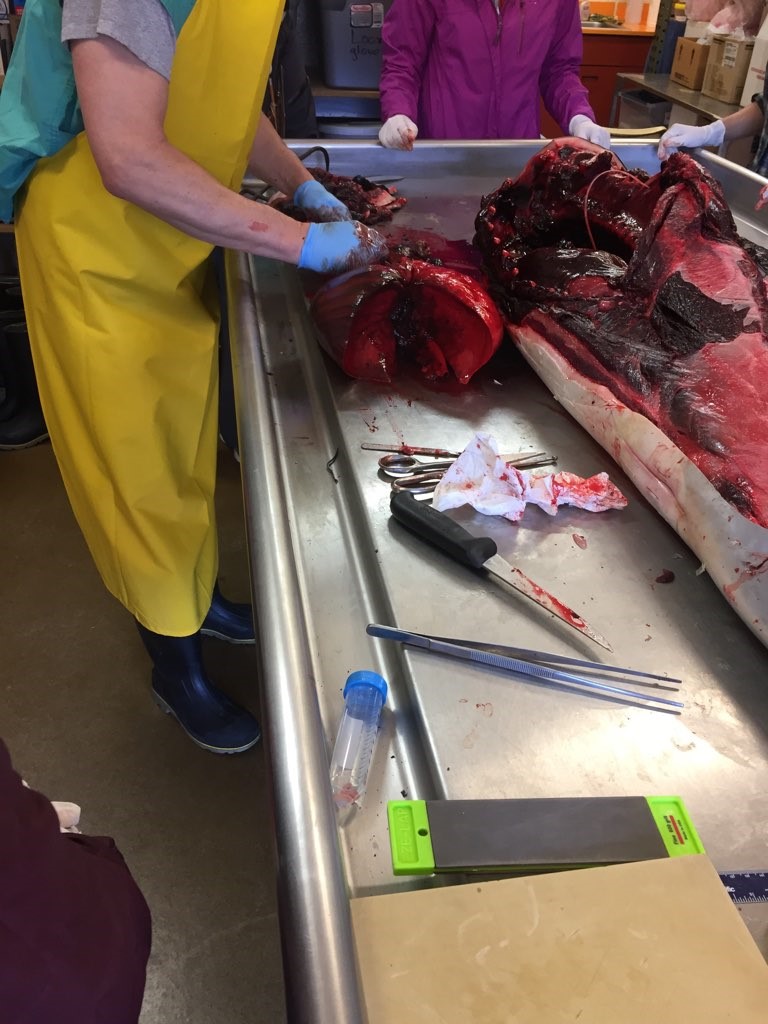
(623, 30)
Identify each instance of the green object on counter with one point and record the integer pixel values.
(675, 826)
(409, 837)
(523, 836)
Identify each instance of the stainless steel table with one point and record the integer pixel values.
(663, 86)
(326, 559)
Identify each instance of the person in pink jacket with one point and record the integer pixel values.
(474, 69)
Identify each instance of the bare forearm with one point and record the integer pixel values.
(168, 184)
(272, 161)
(745, 122)
(124, 105)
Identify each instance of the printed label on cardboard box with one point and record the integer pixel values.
(730, 53)
(727, 68)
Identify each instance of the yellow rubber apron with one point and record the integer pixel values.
(124, 328)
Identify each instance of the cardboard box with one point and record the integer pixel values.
(690, 63)
(727, 68)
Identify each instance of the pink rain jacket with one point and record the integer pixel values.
(460, 70)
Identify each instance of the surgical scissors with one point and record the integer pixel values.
(397, 465)
(408, 473)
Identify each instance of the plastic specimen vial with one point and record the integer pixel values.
(364, 695)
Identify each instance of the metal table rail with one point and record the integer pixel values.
(325, 560)
(314, 912)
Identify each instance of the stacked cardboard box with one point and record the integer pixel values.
(690, 63)
(727, 68)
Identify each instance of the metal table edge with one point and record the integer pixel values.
(319, 959)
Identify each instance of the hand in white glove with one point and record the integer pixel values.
(68, 815)
(399, 132)
(691, 136)
(584, 127)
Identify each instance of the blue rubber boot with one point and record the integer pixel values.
(182, 689)
(229, 621)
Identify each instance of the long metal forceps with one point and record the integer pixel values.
(538, 665)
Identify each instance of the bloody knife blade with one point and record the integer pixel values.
(480, 553)
(407, 449)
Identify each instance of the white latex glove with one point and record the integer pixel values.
(584, 127)
(68, 814)
(691, 136)
(399, 132)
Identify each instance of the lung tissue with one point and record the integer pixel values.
(645, 287)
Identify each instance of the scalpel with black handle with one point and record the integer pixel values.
(480, 553)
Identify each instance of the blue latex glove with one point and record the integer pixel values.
(343, 245)
(316, 199)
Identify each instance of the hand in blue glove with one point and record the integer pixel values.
(318, 201)
(345, 245)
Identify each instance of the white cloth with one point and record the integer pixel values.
(691, 136)
(399, 132)
(584, 127)
(482, 479)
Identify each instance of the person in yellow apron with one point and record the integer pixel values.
(122, 169)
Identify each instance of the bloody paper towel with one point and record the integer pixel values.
(482, 479)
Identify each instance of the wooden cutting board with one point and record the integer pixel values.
(638, 943)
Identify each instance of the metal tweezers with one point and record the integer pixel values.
(540, 665)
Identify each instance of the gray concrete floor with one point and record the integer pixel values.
(78, 718)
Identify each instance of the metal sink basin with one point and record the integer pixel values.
(599, 24)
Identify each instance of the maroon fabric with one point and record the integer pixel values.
(75, 931)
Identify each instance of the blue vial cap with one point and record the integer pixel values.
(366, 677)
